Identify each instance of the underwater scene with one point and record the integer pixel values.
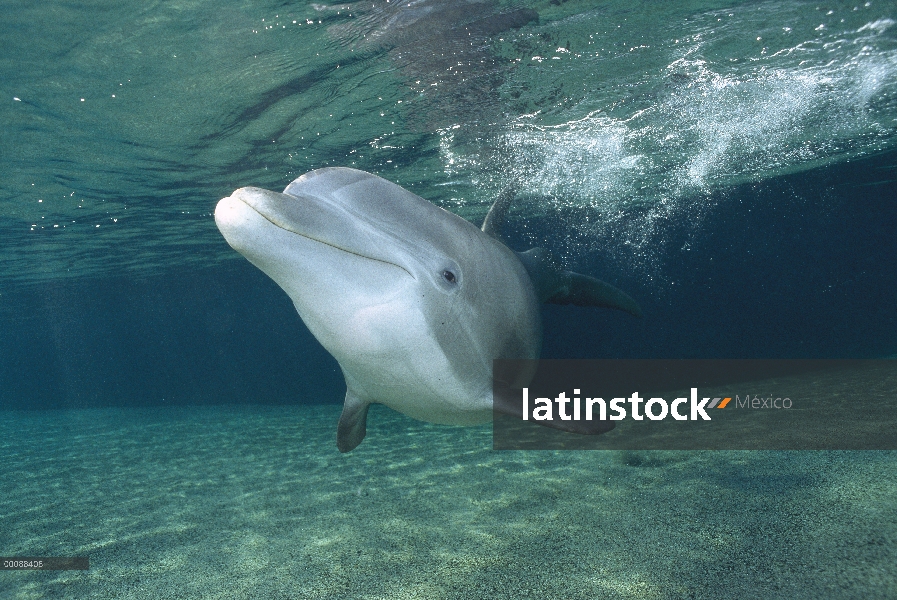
(213, 389)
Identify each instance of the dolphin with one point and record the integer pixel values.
(413, 301)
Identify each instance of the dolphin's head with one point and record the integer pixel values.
(383, 278)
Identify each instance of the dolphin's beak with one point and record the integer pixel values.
(238, 222)
(246, 217)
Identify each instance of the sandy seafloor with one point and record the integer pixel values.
(256, 502)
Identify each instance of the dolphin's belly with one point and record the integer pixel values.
(442, 409)
(426, 389)
(395, 355)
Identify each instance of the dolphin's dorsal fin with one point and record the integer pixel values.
(557, 286)
(352, 423)
(552, 283)
(498, 212)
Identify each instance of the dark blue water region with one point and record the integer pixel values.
(803, 266)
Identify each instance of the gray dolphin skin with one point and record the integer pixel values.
(413, 301)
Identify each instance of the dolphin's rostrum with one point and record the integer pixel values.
(413, 301)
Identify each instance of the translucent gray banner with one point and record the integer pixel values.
(695, 404)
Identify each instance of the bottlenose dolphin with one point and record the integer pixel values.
(413, 301)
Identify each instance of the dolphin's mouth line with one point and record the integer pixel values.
(308, 237)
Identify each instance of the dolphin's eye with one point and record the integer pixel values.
(448, 276)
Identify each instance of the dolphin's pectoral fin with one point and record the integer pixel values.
(582, 290)
(352, 423)
(566, 287)
(553, 284)
(509, 402)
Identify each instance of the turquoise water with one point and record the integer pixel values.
(731, 165)
(125, 122)
(248, 502)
